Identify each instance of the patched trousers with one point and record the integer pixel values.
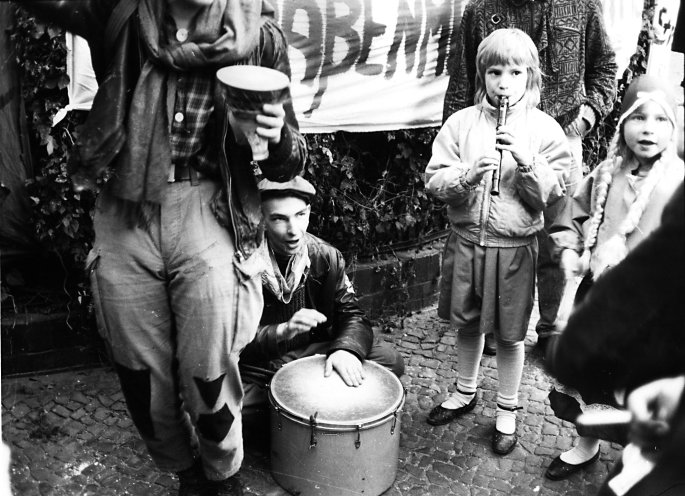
(176, 308)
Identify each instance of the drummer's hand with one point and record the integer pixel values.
(347, 365)
(303, 321)
(270, 122)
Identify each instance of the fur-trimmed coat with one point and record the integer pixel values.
(570, 228)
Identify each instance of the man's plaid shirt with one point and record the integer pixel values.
(192, 134)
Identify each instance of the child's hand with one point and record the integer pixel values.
(570, 264)
(270, 122)
(483, 165)
(507, 139)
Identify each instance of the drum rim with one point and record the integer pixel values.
(322, 424)
(334, 426)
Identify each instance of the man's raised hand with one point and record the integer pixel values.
(302, 321)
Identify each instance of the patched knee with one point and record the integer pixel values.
(215, 426)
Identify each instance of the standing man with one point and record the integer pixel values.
(578, 90)
(175, 281)
(309, 303)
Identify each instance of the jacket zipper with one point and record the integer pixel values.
(238, 242)
(484, 212)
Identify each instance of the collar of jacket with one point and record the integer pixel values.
(515, 109)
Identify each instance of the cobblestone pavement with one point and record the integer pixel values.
(70, 433)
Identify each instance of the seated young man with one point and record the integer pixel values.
(309, 303)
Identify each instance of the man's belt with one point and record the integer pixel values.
(182, 172)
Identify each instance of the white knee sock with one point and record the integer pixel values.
(509, 370)
(505, 421)
(469, 353)
(585, 449)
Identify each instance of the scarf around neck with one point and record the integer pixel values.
(283, 286)
(222, 33)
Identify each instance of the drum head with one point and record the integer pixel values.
(300, 388)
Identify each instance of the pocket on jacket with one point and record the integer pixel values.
(252, 266)
(567, 41)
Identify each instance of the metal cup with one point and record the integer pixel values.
(246, 89)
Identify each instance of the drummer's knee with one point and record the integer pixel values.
(384, 354)
(397, 367)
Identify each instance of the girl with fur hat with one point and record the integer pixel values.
(617, 206)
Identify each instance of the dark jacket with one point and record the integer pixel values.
(576, 57)
(117, 69)
(630, 327)
(326, 289)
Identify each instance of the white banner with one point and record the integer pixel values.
(369, 65)
(357, 65)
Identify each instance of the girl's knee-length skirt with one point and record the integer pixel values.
(488, 289)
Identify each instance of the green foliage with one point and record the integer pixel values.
(61, 217)
(372, 189)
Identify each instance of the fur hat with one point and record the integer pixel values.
(648, 88)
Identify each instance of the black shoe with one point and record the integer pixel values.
(559, 469)
(490, 345)
(227, 487)
(441, 416)
(192, 481)
(502, 443)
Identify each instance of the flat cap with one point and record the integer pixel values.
(298, 185)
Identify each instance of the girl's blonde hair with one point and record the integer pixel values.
(509, 46)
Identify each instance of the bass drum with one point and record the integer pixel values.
(331, 439)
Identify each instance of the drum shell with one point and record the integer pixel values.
(335, 466)
(329, 439)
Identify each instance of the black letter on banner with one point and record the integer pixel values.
(312, 47)
(337, 27)
(341, 27)
(438, 19)
(371, 30)
(409, 28)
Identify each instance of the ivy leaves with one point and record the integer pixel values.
(371, 192)
(61, 217)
